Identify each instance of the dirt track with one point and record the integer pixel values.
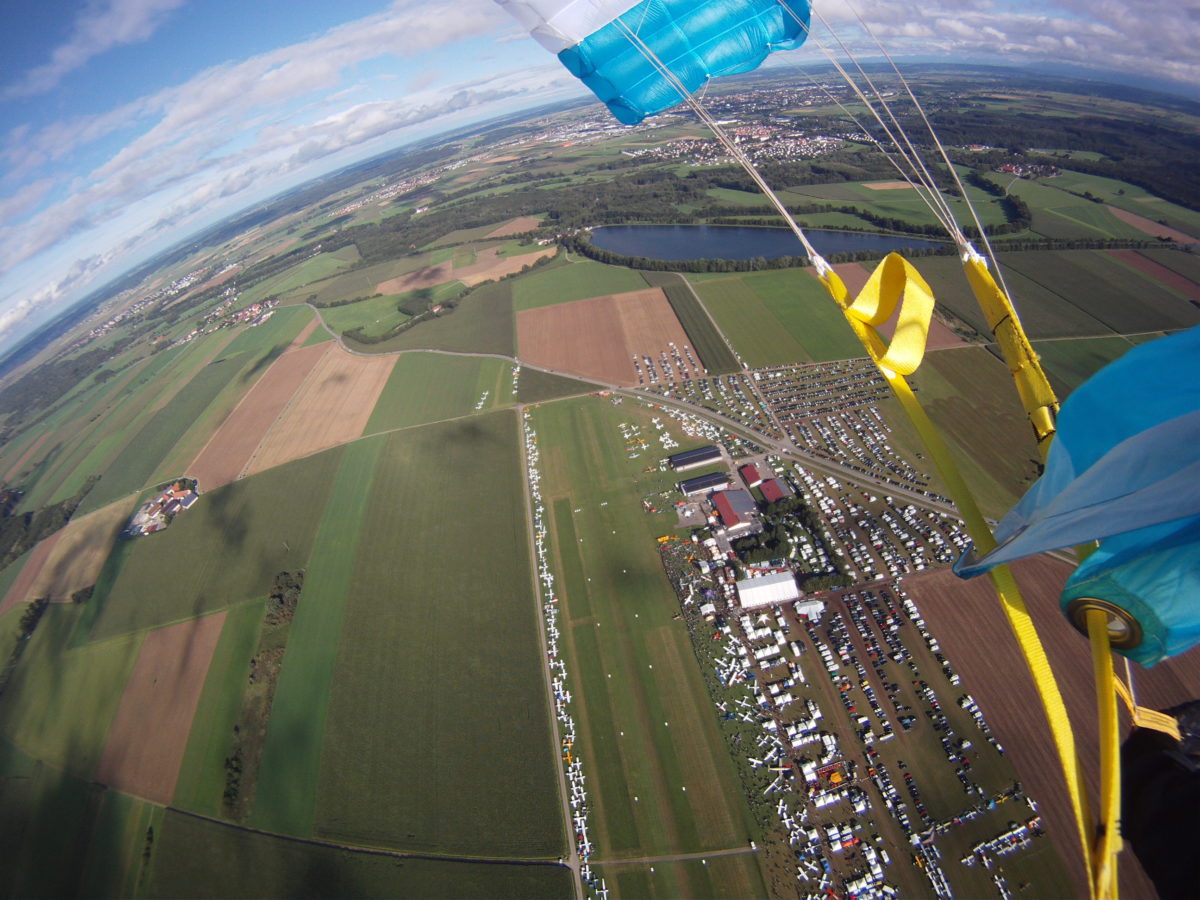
(331, 407)
(150, 731)
(974, 633)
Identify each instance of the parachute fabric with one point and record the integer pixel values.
(616, 47)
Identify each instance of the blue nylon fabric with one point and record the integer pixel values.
(1124, 469)
(696, 40)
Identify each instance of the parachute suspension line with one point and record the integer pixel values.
(911, 157)
(920, 188)
(819, 263)
(987, 244)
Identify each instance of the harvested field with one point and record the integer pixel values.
(597, 338)
(489, 265)
(76, 558)
(886, 185)
(516, 226)
(20, 589)
(422, 278)
(1159, 273)
(16, 467)
(966, 617)
(1149, 226)
(331, 407)
(150, 731)
(229, 450)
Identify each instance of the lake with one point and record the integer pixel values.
(682, 242)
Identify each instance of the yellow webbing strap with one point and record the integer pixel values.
(1041, 405)
(1108, 837)
(895, 282)
(1147, 718)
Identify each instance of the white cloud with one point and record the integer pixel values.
(100, 27)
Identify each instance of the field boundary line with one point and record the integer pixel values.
(674, 857)
(372, 851)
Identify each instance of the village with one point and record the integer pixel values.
(846, 784)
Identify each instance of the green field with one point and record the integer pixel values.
(194, 858)
(286, 796)
(720, 878)
(430, 387)
(1118, 296)
(438, 735)
(969, 394)
(224, 550)
(661, 779)
(1069, 363)
(315, 268)
(359, 282)
(202, 772)
(52, 679)
(132, 469)
(710, 347)
(562, 282)
(481, 323)
(779, 317)
(536, 386)
(99, 426)
(64, 837)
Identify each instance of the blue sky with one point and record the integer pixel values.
(125, 124)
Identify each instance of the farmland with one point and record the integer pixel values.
(197, 858)
(481, 323)
(459, 623)
(562, 282)
(236, 540)
(428, 387)
(410, 747)
(776, 318)
(286, 794)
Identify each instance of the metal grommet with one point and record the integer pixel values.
(1124, 631)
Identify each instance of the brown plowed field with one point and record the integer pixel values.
(1141, 223)
(331, 407)
(597, 338)
(490, 265)
(1159, 272)
(228, 451)
(967, 620)
(77, 557)
(516, 226)
(887, 185)
(18, 591)
(15, 468)
(149, 733)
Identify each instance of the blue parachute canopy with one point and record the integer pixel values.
(612, 45)
(1124, 469)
